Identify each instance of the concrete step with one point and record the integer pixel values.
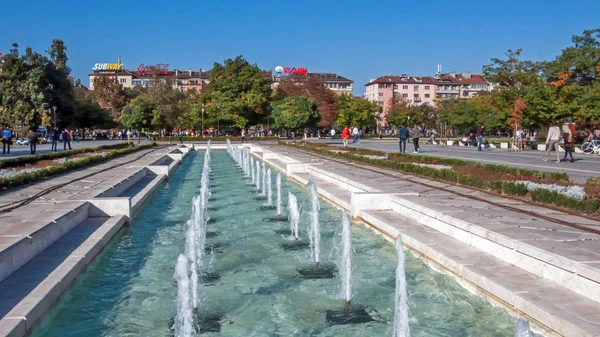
(119, 184)
(568, 256)
(30, 291)
(22, 241)
(524, 294)
(142, 190)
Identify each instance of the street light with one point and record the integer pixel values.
(54, 109)
(268, 119)
(218, 121)
(202, 131)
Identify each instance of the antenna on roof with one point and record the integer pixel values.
(439, 70)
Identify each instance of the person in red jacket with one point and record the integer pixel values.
(346, 136)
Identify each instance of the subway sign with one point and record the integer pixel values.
(108, 66)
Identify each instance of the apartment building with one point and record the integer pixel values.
(334, 82)
(183, 80)
(422, 90)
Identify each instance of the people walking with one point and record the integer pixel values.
(6, 140)
(54, 136)
(416, 134)
(77, 135)
(568, 139)
(552, 141)
(332, 132)
(355, 134)
(243, 135)
(66, 138)
(479, 136)
(346, 136)
(33, 139)
(403, 135)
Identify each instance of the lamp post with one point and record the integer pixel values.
(268, 120)
(218, 121)
(54, 110)
(202, 131)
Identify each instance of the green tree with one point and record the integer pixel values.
(464, 115)
(88, 113)
(138, 114)
(294, 112)
(240, 90)
(400, 113)
(356, 111)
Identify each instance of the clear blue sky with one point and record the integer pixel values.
(356, 38)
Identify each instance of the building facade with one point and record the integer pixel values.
(183, 80)
(334, 82)
(422, 90)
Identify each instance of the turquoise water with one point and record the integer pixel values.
(129, 290)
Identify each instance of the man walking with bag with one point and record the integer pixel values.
(552, 141)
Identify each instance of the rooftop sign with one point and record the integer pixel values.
(158, 69)
(107, 66)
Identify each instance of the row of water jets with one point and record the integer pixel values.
(190, 263)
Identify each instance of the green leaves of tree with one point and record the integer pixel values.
(294, 112)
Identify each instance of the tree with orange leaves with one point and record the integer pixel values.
(312, 88)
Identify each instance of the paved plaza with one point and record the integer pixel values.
(23, 150)
(584, 167)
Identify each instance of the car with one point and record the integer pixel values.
(23, 141)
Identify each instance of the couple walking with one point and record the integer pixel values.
(553, 139)
(405, 133)
(346, 135)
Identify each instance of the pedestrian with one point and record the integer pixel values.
(520, 135)
(332, 132)
(243, 135)
(355, 134)
(416, 134)
(403, 136)
(6, 140)
(66, 138)
(479, 136)
(54, 137)
(568, 133)
(552, 141)
(180, 136)
(33, 140)
(346, 136)
(77, 135)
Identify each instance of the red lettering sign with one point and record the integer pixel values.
(158, 69)
(294, 71)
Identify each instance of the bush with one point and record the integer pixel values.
(214, 139)
(20, 161)
(28, 177)
(555, 198)
(508, 187)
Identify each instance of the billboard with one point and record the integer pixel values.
(287, 71)
(107, 66)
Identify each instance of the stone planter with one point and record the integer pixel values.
(541, 147)
(504, 145)
(449, 142)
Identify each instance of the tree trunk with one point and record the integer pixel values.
(139, 135)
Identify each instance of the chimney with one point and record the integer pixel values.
(190, 72)
(176, 72)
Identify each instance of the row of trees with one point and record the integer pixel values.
(528, 93)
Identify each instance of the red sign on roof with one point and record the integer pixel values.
(295, 71)
(158, 69)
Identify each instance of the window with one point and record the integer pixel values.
(396, 86)
(465, 93)
(136, 82)
(380, 94)
(446, 87)
(404, 95)
(381, 85)
(416, 87)
(405, 87)
(380, 103)
(123, 80)
(427, 87)
(427, 95)
(440, 87)
(416, 95)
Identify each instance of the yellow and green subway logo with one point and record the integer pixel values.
(108, 66)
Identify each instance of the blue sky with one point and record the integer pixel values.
(357, 39)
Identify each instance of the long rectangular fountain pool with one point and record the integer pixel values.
(252, 282)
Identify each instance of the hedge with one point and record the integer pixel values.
(28, 177)
(505, 187)
(19, 161)
(214, 139)
(552, 197)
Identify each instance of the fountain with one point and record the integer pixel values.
(346, 265)
(293, 241)
(318, 270)
(522, 329)
(278, 194)
(252, 171)
(184, 325)
(401, 327)
(191, 253)
(269, 188)
(257, 175)
(264, 180)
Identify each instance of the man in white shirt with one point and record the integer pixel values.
(332, 133)
(552, 141)
(355, 134)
